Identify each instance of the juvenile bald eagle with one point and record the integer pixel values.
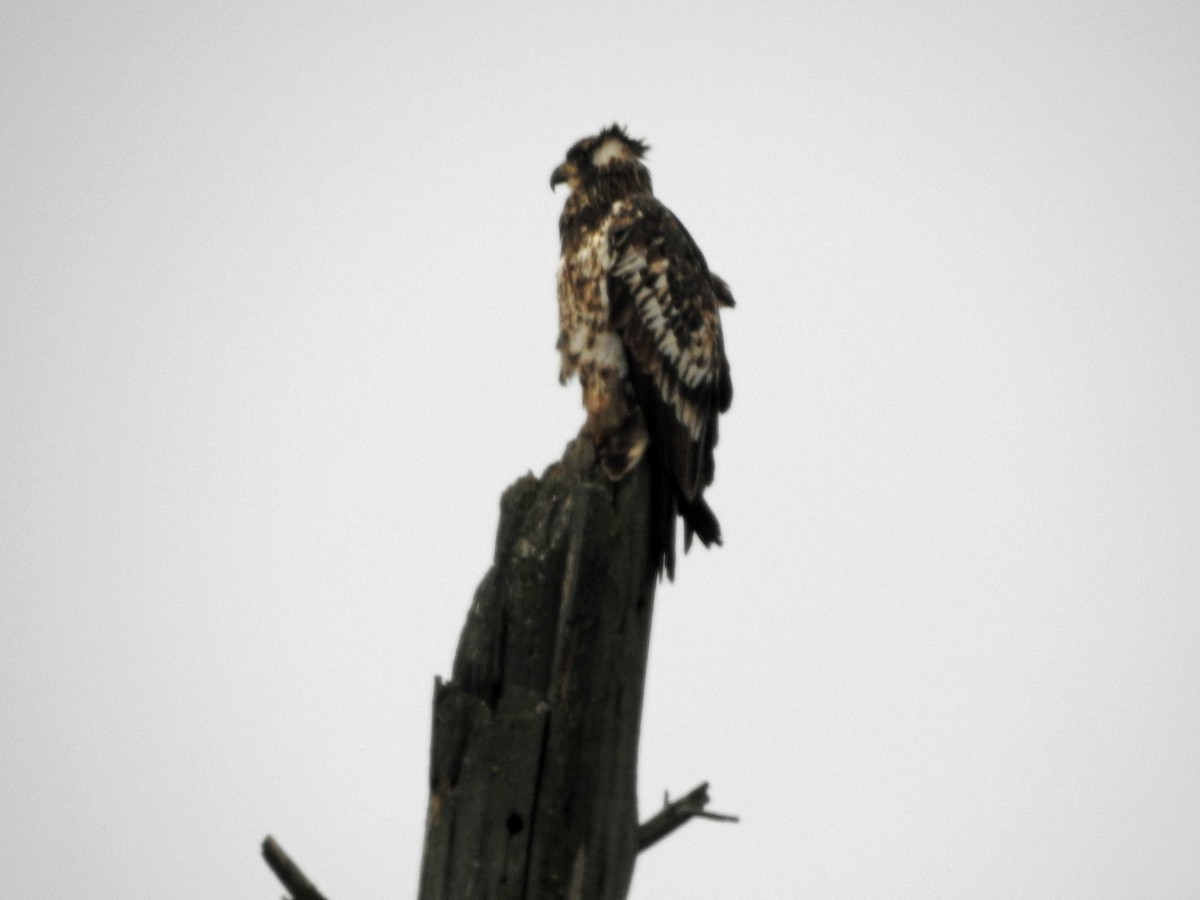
(639, 324)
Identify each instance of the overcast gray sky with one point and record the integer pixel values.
(277, 327)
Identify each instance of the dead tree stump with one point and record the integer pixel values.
(533, 768)
(534, 761)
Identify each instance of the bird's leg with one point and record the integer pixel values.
(614, 422)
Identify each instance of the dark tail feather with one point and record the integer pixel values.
(698, 519)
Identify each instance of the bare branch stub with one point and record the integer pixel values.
(288, 872)
(676, 813)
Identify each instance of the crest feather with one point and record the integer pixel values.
(636, 147)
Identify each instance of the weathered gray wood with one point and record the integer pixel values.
(533, 773)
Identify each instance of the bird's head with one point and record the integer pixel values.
(609, 155)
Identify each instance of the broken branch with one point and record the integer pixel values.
(288, 872)
(676, 813)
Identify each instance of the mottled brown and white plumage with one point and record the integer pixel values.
(640, 324)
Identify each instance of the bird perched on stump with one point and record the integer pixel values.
(639, 317)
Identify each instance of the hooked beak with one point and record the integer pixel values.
(559, 176)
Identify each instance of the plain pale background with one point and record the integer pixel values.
(277, 326)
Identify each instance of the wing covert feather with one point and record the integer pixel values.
(665, 304)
